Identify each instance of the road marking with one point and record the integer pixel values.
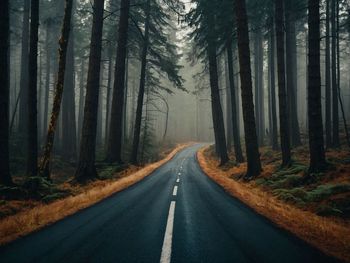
(168, 237)
(179, 173)
(175, 191)
(178, 180)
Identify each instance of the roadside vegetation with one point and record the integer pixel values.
(23, 212)
(315, 207)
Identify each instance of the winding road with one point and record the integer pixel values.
(176, 214)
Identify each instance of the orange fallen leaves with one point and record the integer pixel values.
(328, 235)
(42, 215)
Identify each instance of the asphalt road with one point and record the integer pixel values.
(176, 214)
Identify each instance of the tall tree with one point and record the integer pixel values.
(259, 85)
(69, 143)
(335, 111)
(272, 92)
(283, 106)
(62, 51)
(317, 154)
(32, 125)
(236, 139)
(158, 58)
(290, 36)
(115, 127)
(328, 113)
(86, 165)
(22, 124)
(251, 141)
(48, 72)
(5, 177)
(137, 129)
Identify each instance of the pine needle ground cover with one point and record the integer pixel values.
(317, 210)
(30, 215)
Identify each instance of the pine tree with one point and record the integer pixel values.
(32, 125)
(86, 165)
(317, 154)
(5, 176)
(115, 132)
(251, 141)
(283, 106)
(44, 167)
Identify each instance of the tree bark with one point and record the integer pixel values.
(253, 156)
(229, 127)
(335, 141)
(283, 106)
(62, 51)
(259, 86)
(115, 132)
(69, 142)
(290, 74)
(109, 89)
(86, 165)
(272, 101)
(317, 155)
(5, 176)
(138, 117)
(32, 125)
(47, 76)
(81, 100)
(22, 123)
(234, 119)
(328, 113)
(218, 120)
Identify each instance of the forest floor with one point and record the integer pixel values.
(317, 211)
(22, 211)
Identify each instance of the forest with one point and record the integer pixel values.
(98, 97)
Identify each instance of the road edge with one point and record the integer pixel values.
(280, 213)
(32, 220)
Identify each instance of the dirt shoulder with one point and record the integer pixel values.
(309, 211)
(38, 214)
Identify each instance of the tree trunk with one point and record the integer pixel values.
(328, 113)
(283, 106)
(22, 124)
(86, 164)
(69, 143)
(81, 100)
(5, 176)
(138, 118)
(253, 156)
(335, 142)
(235, 132)
(47, 76)
(272, 101)
(317, 155)
(259, 86)
(115, 132)
(125, 107)
(109, 89)
(32, 125)
(229, 127)
(290, 74)
(62, 51)
(99, 142)
(218, 120)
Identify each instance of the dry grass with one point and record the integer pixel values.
(327, 234)
(42, 215)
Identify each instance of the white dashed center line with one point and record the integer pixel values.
(178, 180)
(168, 237)
(175, 190)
